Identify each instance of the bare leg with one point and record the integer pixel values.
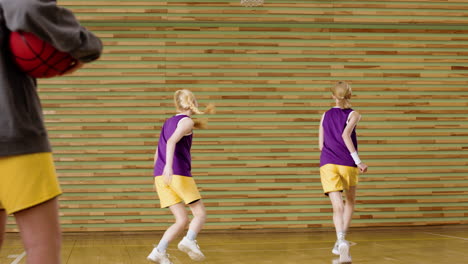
(3, 219)
(338, 208)
(349, 207)
(180, 214)
(189, 244)
(158, 254)
(199, 216)
(40, 231)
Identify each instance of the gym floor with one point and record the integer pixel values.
(408, 245)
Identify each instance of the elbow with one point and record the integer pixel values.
(170, 143)
(345, 137)
(90, 49)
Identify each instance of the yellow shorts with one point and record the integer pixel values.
(182, 188)
(27, 180)
(338, 178)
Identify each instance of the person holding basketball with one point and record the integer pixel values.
(340, 163)
(28, 181)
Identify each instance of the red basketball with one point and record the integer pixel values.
(38, 58)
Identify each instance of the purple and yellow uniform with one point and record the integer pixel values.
(338, 171)
(182, 187)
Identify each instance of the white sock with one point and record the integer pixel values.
(162, 246)
(341, 236)
(191, 235)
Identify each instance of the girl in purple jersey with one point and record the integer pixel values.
(340, 163)
(174, 182)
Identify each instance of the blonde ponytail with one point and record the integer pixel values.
(185, 100)
(342, 92)
(210, 109)
(194, 108)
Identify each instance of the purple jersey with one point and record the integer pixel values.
(334, 149)
(182, 159)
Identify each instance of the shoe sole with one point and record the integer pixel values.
(344, 254)
(154, 260)
(193, 255)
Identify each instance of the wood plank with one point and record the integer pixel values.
(268, 70)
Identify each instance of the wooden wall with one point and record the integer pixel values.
(268, 70)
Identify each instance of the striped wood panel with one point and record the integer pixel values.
(267, 69)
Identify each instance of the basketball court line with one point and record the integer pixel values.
(462, 238)
(19, 258)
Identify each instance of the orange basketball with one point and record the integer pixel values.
(38, 58)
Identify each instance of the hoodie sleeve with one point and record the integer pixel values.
(53, 24)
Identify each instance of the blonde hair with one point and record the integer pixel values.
(342, 92)
(185, 100)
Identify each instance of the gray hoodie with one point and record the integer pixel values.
(22, 128)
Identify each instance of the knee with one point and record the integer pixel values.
(201, 215)
(338, 208)
(199, 210)
(182, 222)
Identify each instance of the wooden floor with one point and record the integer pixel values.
(399, 245)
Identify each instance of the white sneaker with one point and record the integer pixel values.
(191, 248)
(335, 250)
(158, 257)
(343, 248)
